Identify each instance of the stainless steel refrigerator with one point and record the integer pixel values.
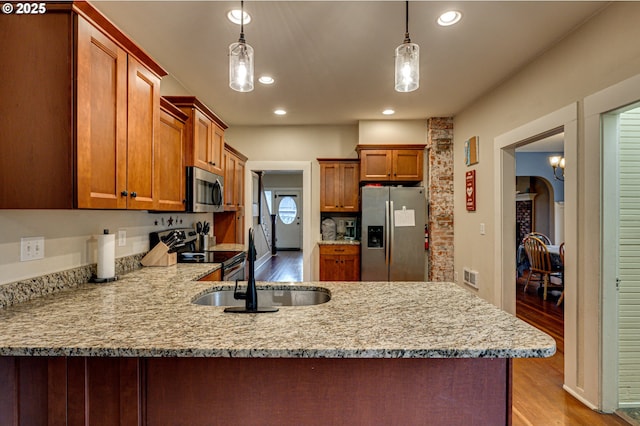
(392, 246)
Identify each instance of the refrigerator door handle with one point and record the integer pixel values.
(387, 251)
(391, 233)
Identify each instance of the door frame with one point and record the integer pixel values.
(505, 250)
(305, 168)
(596, 107)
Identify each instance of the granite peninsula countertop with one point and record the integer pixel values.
(148, 313)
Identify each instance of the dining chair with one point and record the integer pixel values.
(561, 251)
(539, 262)
(540, 236)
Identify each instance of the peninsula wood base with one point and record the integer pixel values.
(248, 391)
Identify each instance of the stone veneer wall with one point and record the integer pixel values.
(524, 219)
(440, 184)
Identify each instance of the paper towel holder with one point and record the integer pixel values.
(95, 279)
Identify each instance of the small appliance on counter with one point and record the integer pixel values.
(328, 229)
(350, 229)
(184, 243)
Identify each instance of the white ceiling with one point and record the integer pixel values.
(333, 60)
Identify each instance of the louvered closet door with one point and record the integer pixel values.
(629, 258)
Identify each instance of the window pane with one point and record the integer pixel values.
(287, 210)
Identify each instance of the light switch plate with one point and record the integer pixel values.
(31, 248)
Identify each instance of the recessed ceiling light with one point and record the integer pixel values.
(449, 18)
(388, 112)
(265, 79)
(279, 112)
(235, 14)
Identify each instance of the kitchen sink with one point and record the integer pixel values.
(293, 296)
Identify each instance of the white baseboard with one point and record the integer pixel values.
(580, 398)
(263, 259)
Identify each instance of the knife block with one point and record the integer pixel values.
(159, 256)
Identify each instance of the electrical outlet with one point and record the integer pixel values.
(31, 248)
(122, 237)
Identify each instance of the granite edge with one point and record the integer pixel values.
(282, 353)
(338, 242)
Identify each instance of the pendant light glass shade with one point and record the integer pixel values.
(241, 66)
(241, 61)
(407, 67)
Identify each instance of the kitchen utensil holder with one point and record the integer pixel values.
(203, 242)
(159, 256)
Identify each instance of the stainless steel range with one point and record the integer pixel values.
(183, 242)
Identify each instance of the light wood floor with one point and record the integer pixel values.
(538, 397)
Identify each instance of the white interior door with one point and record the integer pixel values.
(288, 210)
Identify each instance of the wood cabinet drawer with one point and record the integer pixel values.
(340, 249)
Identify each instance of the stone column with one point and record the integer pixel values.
(440, 185)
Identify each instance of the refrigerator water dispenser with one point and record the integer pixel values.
(375, 236)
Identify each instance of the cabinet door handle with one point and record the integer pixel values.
(124, 193)
(134, 194)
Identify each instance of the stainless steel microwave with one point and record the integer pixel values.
(205, 191)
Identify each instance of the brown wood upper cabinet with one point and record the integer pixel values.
(81, 106)
(229, 225)
(169, 166)
(233, 178)
(400, 163)
(205, 134)
(339, 185)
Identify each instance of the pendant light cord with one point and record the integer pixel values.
(242, 22)
(406, 33)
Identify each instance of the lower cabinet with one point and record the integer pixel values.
(214, 276)
(339, 262)
(197, 391)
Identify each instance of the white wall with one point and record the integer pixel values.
(398, 132)
(282, 180)
(70, 237)
(599, 54)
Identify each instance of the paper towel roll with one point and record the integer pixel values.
(106, 255)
